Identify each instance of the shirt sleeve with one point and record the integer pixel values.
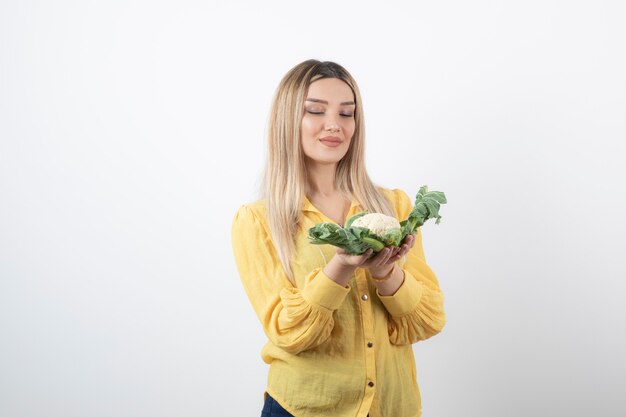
(293, 319)
(416, 309)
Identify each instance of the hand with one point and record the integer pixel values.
(347, 259)
(379, 262)
(383, 261)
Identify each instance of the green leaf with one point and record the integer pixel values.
(393, 237)
(427, 206)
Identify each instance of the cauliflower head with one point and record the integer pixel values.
(377, 223)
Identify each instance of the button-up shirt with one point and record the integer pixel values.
(334, 350)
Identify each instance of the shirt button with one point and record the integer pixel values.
(364, 297)
(371, 383)
(370, 344)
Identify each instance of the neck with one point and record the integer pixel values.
(321, 179)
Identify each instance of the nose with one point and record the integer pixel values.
(331, 124)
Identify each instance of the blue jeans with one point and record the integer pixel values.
(272, 409)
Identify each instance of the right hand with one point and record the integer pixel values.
(347, 259)
(366, 259)
(341, 267)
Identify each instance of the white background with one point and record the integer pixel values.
(131, 131)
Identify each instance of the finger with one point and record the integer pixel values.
(392, 253)
(365, 256)
(388, 255)
(380, 257)
(376, 256)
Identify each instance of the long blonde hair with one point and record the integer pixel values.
(285, 178)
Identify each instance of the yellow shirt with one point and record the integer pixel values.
(336, 351)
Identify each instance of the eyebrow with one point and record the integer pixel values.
(317, 100)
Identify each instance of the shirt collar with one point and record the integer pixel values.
(355, 207)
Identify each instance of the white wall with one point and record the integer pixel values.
(131, 131)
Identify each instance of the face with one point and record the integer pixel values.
(328, 122)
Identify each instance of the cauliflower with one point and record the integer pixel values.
(375, 230)
(378, 223)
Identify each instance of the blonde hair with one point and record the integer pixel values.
(285, 178)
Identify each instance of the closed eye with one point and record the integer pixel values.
(342, 115)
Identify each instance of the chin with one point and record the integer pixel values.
(319, 159)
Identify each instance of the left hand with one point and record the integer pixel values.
(381, 263)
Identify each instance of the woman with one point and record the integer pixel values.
(339, 326)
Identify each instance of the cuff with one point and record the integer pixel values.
(405, 300)
(324, 292)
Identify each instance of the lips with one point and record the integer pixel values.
(330, 143)
(332, 139)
